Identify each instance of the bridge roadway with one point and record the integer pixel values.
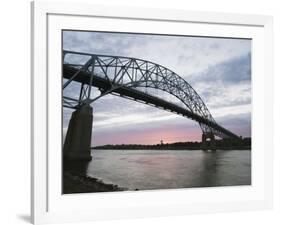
(136, 95)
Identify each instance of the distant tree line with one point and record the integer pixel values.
(244, 143)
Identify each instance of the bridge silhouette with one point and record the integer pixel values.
(123, 76)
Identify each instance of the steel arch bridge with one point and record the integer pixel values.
(123, 75)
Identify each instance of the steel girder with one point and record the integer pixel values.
(133, 73)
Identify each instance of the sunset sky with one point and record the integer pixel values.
(219, 69)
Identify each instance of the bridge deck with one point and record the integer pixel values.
(136, 95)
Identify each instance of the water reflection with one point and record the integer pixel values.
(213, 165)
(152, 169)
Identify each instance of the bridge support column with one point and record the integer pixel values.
(208, 145)
(77, 145)
(204, 142)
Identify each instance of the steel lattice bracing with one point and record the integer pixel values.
(123, 75)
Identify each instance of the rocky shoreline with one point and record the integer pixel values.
(77, 183)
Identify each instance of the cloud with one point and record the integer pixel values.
(233, 71)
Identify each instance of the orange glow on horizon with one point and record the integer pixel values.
(149, 137)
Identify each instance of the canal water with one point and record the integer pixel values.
(162, 169)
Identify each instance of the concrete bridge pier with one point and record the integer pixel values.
(77, 145)
(208, 142)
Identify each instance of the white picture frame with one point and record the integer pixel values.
(47, 203)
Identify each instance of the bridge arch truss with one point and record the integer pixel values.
(124, 72)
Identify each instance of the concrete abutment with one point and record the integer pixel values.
(77, 145)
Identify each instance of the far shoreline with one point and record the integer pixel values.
(224, 144)
(128, 149)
